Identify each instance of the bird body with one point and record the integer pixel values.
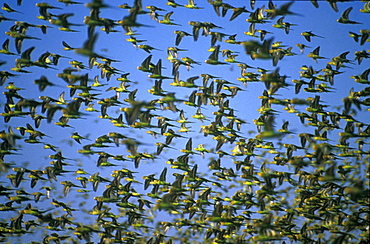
(308, 34)
(344, 19)
(213, 58)
(315, 54)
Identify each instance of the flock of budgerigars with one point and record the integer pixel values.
(298, 174)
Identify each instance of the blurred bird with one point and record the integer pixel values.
(62, 21)
(43, 10)
(173, 4)
(195, 29)
(130, 20)
(213, 58)
(363, 78)
(344, 19)
(302, 47)
(282, 10)
(179, 36)
(238, 11)
(19, 38)
(68, 2)
(257, 16)
(67, 187)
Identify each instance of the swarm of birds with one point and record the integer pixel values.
(116, 131)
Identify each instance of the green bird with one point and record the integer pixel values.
(333, 4)
(339, 60)
(62, 21)
(2, 18)
(344, 19)
(96, 179)
(116, 137)
(75, 136)
(191, 5)
(88, 48)
(130, 20)
(216, 36)
(157, 71)
(170, 100)
(188, 62)
(157, 88)
(147, 48)
(95, 4)
(216, 6)
(192, 100)
(12, 87)
(365, 36)
(232, 39)
(283, 25)
(153, 8)
(5, 48)
(170, 134)
(9, 9)
(95, 20)
(17, 178)
(308, 34)
(19, 37)
(201, 150)
(172, 53)
(366, 8)
(133, 113)
(207, 27)
(23, 26)
(257, 16)
(122, 88)
(167, 19)
(69, 2)
(179, 36)
(213, 58)
(262, 51)
(199, 115)
(134, 41)
(301, 47)
(33, 133)
(195, 29)
(43, 10)
(188, 147)
(282, 10)
(315, 54)
(363, 78)
(42, 83)
(146, 65)
(67, 47)
(173, 4)
(160, 147)
(238, 11)
(67, 187)
(189, 83)
(251, 31)
(225, 7)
